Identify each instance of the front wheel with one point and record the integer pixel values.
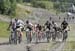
(65, 35)
(48, 36)
(11, 38)
(28, 35)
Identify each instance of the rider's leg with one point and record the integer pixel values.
(19, 34)
(30, 36)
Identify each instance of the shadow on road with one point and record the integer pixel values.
(4, 43)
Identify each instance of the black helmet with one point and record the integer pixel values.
(16, 19)
(53, 22)
(47, 21)
(27, 21)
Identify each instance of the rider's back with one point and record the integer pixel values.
(29, 26)
(20, 23)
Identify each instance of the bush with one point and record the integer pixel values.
(4, 6)
(7, 7)
(56, 5)
(19, 1)
(43, 4)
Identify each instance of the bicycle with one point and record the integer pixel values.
(48, 35)
(28, 36)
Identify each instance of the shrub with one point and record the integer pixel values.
(43, 4)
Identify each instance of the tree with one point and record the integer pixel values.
(26, 0)
(7, 7)
(13, 7)
(19, 1)
(4, 6)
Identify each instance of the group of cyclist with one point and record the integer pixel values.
(50, 26)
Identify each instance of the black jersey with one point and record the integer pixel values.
(48, 25)
(64, 24)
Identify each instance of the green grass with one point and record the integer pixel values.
(3, 29)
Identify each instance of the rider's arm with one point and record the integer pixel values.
(31, 24)
(9, 25)
(69, 28)
(61, 24)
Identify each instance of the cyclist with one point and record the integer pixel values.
(16, 24)
(64, 24)
(55, 29)
(54, 25)
(19, 25)
(47, 29)
(29, 28)
(48, 25)
(38, 29)
(65, 27)
(12, 25)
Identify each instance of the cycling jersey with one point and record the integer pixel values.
(19, 23)
(64, 25)
(29, 26)
(39, 27)
(55, 26)
(48, 25)
(16, 24)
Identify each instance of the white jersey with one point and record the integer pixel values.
(18, 23)
(31, 24)
(56, 25)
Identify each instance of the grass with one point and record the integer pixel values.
(3, 29)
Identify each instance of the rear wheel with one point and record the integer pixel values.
(15, 38)
(19, 37)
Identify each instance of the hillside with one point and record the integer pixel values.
(34, 13)
(28, 12)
